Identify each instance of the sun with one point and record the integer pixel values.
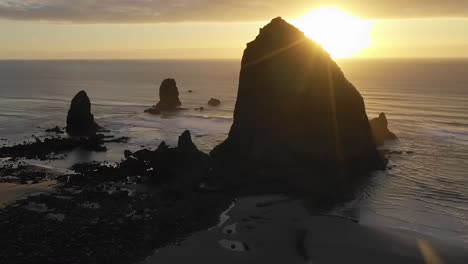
(339, 33)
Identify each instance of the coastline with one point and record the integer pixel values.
(272, 229)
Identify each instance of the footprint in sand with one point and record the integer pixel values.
(230, 229)
(234, 245)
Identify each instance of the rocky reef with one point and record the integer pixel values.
(51, 148)
(169, 98)
(111, 213)
(380, 130)
(80, 120)
(295, 108)
(166, 163)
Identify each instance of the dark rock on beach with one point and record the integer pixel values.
(169, 98)
(90, 218)
(295, 108)
(56, 130)
(214, 102)
(380, 130)
(27, 174)
(107, 213)
(49, 148)
(53, 147)
(166, 162)
(80, 120)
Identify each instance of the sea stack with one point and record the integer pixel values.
(295, 108)
(80, 121)
(380, 130)
(168, 98)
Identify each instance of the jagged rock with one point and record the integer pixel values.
(295, 108)
(185, 143)
(80, 121)
(167, 162)
(168, 98)
(214, 102)
(380, 130)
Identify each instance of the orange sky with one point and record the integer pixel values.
(124, 29)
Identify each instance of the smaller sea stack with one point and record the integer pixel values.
(80, 121)
(380, 130)
(168, 98)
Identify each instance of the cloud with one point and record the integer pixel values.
(142, 11)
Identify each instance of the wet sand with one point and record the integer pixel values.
(279, 230)
(10, 192)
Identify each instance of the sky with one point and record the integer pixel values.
(215, 29)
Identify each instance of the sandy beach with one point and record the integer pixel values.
(280, 230)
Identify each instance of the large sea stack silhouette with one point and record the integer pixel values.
(296, 108)
(168, 97)
(80, 121)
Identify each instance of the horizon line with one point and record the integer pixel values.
(221, 59)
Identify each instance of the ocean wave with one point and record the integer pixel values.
(455, 124)
(117, 103)
(208, 117)
(35, 100)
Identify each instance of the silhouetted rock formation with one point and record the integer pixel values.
(174, 207)
(168, 96)
(295, 108)
(380, 130)
(214, 102)
(185, 143)
(80, 121)
(168, 162)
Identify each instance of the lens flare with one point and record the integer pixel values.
(339, 33)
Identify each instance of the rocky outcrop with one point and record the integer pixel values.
(295, 108)
(185, 143)
(214, 102)
(168, 162)
(80, 121)
(380, 130)
(168, 98)
(56, 130)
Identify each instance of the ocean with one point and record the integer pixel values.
(426, 102)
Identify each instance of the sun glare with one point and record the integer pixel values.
(339, 33)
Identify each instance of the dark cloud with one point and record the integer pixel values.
(133, 11)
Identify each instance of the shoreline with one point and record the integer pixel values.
(283, 231)
(100, 200)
